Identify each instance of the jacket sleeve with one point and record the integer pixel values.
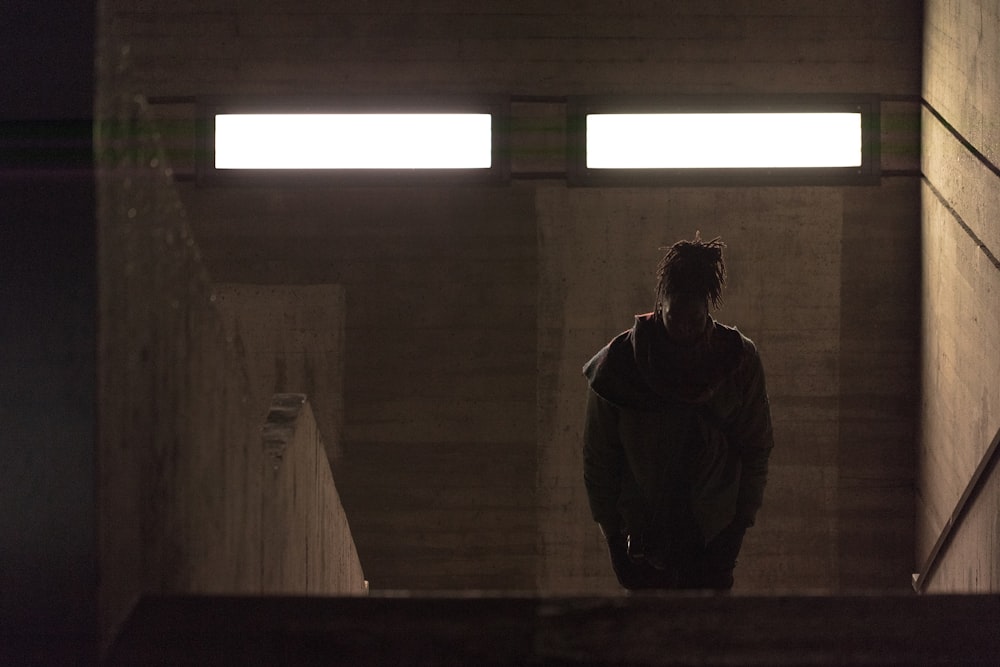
(603, 459)
(753, 434)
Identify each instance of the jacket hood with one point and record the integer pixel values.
(642, 367)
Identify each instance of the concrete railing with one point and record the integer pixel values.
(306, 543)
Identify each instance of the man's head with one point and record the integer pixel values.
(689, 278)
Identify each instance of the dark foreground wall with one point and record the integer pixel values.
(47, 313)
(640, 630)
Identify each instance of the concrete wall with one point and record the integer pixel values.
(439, 368)
(292, 337)
(176, 454)
(961, 294)
(190, 497)
(471, 309)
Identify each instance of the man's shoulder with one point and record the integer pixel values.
(615, 357)
(614, 376)
(741, 353)
(734, 339)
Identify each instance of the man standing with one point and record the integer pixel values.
(678, 433)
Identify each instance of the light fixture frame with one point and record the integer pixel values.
(497, 106)
(579, 174)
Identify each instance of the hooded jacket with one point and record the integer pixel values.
(676, 436)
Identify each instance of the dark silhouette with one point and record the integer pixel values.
(678, 433)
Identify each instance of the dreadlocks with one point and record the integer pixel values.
(694, 266)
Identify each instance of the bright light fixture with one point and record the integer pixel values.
(723, 140)
(353, 141)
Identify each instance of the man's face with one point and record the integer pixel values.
(685, 317)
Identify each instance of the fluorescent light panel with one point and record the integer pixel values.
(723, 140)
(353, 141)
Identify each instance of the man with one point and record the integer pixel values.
(678, 433)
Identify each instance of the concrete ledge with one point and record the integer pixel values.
(634, 630)
(306, 543)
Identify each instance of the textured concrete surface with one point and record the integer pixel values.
(306, 545)
(293, 340)
(191, 498)
(960, 413)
